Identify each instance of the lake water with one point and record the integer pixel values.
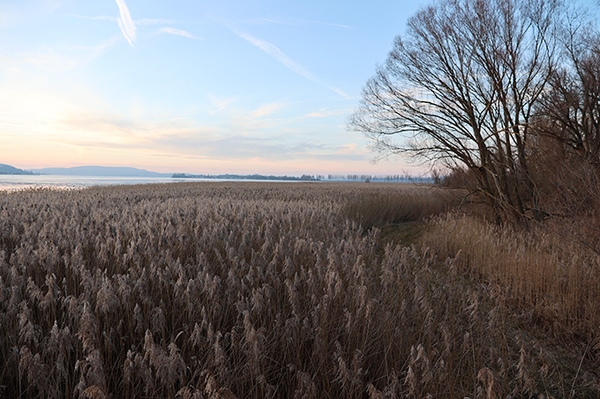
(19, 182)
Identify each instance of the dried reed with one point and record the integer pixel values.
(250, 291)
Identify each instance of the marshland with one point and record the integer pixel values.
(290, 290)
(485, 285)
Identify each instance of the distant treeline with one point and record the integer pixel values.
(245, 177)
(354, 178)
(386, 178)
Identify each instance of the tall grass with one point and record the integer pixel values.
(544, 271)
(247, 291)
(388, 205)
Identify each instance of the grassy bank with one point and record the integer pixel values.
(261, 291)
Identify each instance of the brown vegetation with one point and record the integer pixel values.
(545, 271)
(385, 205)
(269, 291)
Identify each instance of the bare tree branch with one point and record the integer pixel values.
(461, 86)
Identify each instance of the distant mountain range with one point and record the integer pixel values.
(11, 170)
(83, 171)
(101, 171)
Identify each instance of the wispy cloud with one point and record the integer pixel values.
(245, 148)
(239, 142)
(96, 50)
(220, 103)
(95, 18)
(128, 25)
(136, 22)
(280, 56)
(178, 32)
(126, 22)
(58, 58)
(325, 113)
(152, 21)
(266, 110)
(329, 24)
(297, 22)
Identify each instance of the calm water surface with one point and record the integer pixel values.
(19, 182)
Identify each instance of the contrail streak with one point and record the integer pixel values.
(126, 22)
(280, 56)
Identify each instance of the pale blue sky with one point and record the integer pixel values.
(258, 86)
(193, 86)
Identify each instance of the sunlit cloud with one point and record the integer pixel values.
(187, 139)
(178, 32)
(266, 110)
(59, 58)
(126, 22)
(94, 51)
(65, 124)
(85, 136)
(220, 103)
(347, 149)
(240, 147)
(280, 56)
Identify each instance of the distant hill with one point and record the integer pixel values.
(101, 171)
(11, 170)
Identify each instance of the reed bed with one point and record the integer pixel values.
(545, 272)
(246, 291)
(388, 205)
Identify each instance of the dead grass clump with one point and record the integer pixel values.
(547, 271)
(395, 205)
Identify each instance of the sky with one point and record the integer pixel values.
(246, 86)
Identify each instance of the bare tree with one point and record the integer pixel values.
(570, 108)
(460, 87)
(566, 124)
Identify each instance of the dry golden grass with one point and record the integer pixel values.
(250, 291)
(387, 204)
(544, 270)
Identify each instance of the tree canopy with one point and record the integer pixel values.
(466, 84)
